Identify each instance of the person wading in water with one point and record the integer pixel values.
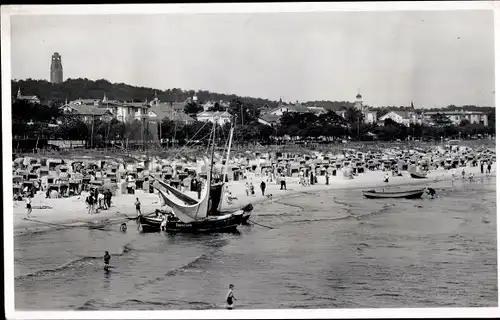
(28, 206)
(138, 207)
(230, 297)
(107, 257)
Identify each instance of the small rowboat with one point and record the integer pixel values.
(410, 194)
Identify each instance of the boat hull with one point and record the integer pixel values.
(228, 223)
(412, 194)
(417, 176)
(245, 218)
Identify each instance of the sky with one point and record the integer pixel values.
(433, 58)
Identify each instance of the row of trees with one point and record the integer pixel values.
(352, 126)
(49, 122)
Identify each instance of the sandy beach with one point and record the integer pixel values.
(72, 212)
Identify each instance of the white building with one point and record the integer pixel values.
(458, 116)
(401, 117)
(208, 105)
(86, 113)
(317, 110)
(217, 116)
(31, 99)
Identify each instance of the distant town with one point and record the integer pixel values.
(102, 111)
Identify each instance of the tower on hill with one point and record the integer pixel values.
(56, 69)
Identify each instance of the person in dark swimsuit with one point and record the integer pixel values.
(138, 207)
(230, 297)
(107, 258)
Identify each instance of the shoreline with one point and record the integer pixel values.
(122, 207)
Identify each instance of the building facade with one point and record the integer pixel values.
(31, 99)
(404, 118)
(220, 117)
(457, 116)
(56, 69)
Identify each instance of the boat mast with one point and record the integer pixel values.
(224, 176)
(209, 182)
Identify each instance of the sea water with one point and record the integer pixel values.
(332, 249)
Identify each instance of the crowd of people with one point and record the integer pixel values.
(97, 200)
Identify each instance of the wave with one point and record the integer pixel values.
(196, 263)
(320, 219)
(72, 264)
(95, 304)
(387, 295)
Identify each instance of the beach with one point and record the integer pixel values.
(72, 212)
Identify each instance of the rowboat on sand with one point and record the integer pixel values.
(409, 194)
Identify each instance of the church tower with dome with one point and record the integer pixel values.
(358, 104)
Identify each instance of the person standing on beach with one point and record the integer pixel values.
(108, 198)
(463, 174)
(489, 167)
(263, 187)
(100, 199)
(90, 203)
(327, 177)
(482, 167)
(283, 182)
(28, 206)
(137, 206)
(247, 188)
(230, 298)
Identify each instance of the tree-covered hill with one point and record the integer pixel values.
(73, 89)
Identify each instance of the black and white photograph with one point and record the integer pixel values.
(250, 160)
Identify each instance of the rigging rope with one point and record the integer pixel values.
(260, 224)
(191, 139)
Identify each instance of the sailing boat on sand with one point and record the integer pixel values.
(196, 216)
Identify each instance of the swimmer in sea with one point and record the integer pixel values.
(107, 257)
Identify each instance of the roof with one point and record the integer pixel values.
(165, 110)
(28, 98)
(292, 108)
(85, 101)
(178, 106)
(454, 112)
(135, 104)
(87, 109)
(269, 117)
(222, 114)
(316, 109)
(402, 114)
